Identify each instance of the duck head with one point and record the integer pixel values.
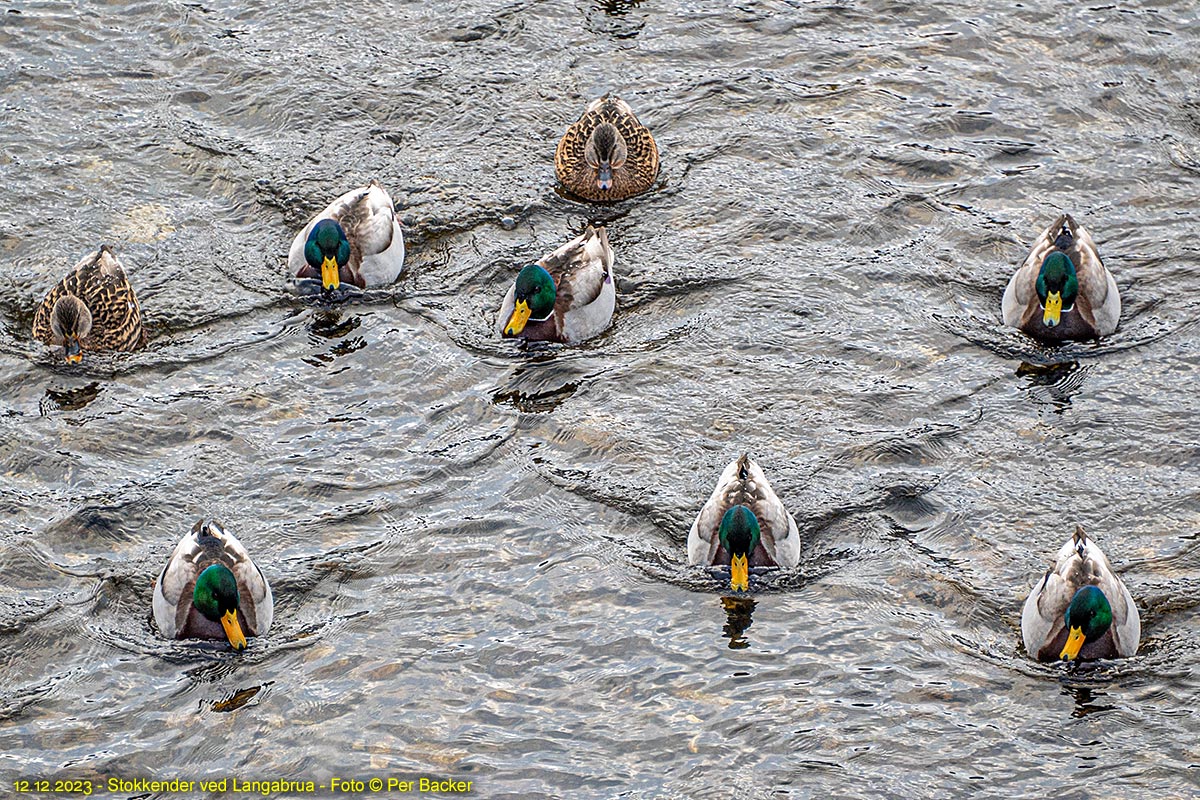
(1057, 287)
(216, 597)
(327, 251)
(1088, 617)
(70, 322)
(533, 299)
(605, 152)
(739, 534)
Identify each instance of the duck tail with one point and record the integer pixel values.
(208, 529)
(1066, 234)
(1080, 539)
(743, 466)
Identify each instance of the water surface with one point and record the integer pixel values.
(476, 547)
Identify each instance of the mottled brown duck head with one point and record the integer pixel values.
(70, 323)
(605, 153)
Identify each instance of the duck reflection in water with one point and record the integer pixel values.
(617, 8)
(330, 325)
(738, 612)
(1053, 384)
(1085, 701)
(69, 399)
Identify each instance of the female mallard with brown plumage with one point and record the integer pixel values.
(1062, 290)
(210, 589)
(607, 154)
(567, 296)
(92, 308)
(356, 240)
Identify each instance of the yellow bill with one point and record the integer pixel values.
(233, 630)
(516, 322)
(1052, 313)
(739, 574)
(329, 273)
(1074, 644)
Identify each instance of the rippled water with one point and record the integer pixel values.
(477, 548)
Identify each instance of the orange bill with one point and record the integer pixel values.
(739, 573)
(516, 322)
(1052, 313)
(74, 350)
(233, 630)
(1074, 644)
(329, 274)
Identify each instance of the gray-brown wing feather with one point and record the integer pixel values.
(577, 278)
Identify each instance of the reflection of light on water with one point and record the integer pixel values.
(150, 222)
(738, 611)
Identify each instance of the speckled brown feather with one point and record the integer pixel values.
(634, 177)
(100, 282)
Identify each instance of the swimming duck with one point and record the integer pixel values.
(92, 308)
(357, 240)
(1080, 609)
(607, 154)
(210, 589)
(745, 525)
(567, 296)
(1063, 291)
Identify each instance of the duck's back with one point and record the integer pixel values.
(100, 282)
(641, 164)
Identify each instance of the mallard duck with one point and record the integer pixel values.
(607, 154)
(93, 308)
(744, 525)
(567, 296)
(1063, 291)
(356, 240)
(1080, 609)
(210, 589)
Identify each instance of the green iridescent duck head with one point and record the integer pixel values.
(1088, 618)
(739, 534)
(327, 250)
(533, 299)
(1057, 287)
(216, 597)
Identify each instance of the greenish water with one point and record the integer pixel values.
(476, 548)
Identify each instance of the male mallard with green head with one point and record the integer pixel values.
(92, 308)
(607, 154)
(566, 296)
(1062, 290)
(1080, 609)
(210, 589)
(744, 524)
(356, 240)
